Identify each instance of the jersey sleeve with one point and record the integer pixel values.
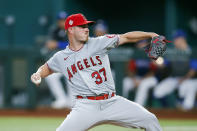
(53, 63)
(104, 43)
(109, 42)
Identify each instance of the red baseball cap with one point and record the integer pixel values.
(75, 20)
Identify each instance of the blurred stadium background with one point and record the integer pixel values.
(23, 29)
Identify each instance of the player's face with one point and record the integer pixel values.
(81, 33)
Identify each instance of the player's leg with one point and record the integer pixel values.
(128, 85)
(187, 91)
(165, 87)
(84, 115)
(143, 88)
(130, 114)
(54, 83)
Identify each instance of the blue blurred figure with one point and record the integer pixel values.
(100, 28)
(57, 37)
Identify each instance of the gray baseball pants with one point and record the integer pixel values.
(116, 110)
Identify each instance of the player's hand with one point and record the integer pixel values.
(36, 78)
(154, 35)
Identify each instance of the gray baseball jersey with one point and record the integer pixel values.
(88, 69)
(89, 74)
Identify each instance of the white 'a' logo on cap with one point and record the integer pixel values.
(70, 22)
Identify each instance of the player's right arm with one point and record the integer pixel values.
(42, 72)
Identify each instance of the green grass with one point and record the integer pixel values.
(51, 123)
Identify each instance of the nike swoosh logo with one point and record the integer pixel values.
(66, 58)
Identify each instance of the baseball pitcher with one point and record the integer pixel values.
(86, 65)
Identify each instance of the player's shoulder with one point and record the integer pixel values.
(92, 40)
(107, 36)
(95, 38)
(58, 53)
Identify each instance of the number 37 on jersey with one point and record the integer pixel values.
(99, 76)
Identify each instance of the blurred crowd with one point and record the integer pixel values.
(157, 81)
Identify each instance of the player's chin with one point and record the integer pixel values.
(85, 40)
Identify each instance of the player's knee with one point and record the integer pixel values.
(151, 116)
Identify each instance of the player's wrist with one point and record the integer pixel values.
(39, 72)
(152, 34)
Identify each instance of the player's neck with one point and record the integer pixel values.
(75, 45)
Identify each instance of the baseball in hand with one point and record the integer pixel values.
(36, 79)
(160, 61)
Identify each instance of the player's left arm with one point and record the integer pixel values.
(135, 36)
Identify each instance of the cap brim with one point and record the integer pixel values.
(91, 22)
(88, 22)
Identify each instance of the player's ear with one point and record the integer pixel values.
(70, 29)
